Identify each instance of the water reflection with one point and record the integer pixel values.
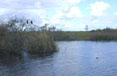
(77, 58)
(36, 66)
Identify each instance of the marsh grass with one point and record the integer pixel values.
(86, 35)
(41, 44)
(14, 40)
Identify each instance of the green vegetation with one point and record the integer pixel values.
(94, 35)
(18, 36)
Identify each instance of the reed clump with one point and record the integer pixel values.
(16, 37)
(41, 44)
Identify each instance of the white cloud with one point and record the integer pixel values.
(62, 13)
(63, 17)
(74, 1)
(59, 14)
(68, 25)
(38, 4)
(3, 11)
(98, 8)
(74, 12)
(95, 21)
(16, 4)
(56, 18)
(40, 8)
(115, 14)
(56, 4)
(36, 12)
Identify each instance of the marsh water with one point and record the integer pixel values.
(74, 58)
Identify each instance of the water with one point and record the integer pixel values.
(75, 58)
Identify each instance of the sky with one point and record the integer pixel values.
(68, 15)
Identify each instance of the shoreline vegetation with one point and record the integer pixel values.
(106, 34)
(21, 35)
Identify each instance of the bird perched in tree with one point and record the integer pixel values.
(97, 58)
(31, 22)
(27, 22)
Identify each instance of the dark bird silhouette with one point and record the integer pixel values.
(97, 58)
(27, 22)
(31, 22)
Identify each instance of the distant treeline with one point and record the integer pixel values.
(18, 36)
(106, 34)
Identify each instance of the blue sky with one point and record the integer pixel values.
(69, 15)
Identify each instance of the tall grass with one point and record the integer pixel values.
(16, 38)
(40, 43)
(101, 35)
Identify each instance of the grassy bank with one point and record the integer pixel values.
(17, 36)
(87, 35)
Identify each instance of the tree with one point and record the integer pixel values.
(86, 27)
